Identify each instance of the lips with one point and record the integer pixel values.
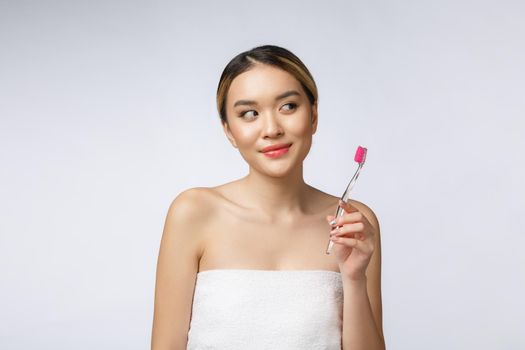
(275, 147)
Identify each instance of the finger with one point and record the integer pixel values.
(362, 246)
(352, 217)
(331, 220)
(357, 227)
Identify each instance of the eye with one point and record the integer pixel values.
(250, 114)
(289, 106)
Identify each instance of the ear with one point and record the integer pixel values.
(229, 135)
(314, 117)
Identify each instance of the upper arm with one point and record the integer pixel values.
(373, 271)
(177, 267)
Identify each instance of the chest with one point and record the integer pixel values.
(248, 244)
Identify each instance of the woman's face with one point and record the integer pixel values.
(268, 106)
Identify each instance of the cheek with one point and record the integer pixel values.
(300, 127)
(245, 136)
(304, 129)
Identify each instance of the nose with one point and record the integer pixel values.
(272, 128)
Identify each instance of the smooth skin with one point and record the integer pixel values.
(268, 220)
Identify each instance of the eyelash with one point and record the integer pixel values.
(292, 104)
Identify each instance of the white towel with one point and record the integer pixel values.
(266, 309)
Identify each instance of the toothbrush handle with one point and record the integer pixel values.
(346, 195)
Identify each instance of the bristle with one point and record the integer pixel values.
(360, 155)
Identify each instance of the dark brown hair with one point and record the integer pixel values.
(266, 54)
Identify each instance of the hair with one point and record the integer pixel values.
(267, 54)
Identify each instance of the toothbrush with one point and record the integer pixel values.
(360, 156)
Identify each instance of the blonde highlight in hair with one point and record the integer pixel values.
(271, 55)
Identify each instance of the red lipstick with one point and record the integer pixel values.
(278, 150)
(275, 147)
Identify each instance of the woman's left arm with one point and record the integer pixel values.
(358, 252)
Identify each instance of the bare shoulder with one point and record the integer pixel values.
(180, 250)
(188, 213)
(192, 203)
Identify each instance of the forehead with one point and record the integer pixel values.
(260, 82)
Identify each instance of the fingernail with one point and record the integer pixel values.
(332, 223)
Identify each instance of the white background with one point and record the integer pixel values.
(108, 112)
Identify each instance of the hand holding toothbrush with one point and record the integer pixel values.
(353, 233)
(353, 236)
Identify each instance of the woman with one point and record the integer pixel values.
(243, 265)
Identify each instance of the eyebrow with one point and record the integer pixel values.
(280, 97)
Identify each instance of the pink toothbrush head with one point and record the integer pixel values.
(360, 155)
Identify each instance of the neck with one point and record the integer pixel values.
(278, 198)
